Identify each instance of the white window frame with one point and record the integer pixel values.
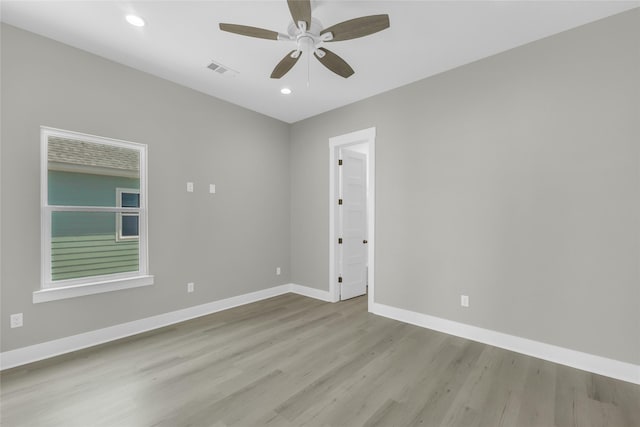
(69, 288)
(119, 215)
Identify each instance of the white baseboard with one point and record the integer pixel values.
(564, 356)
(588, 362)
(310, 292)
(33, 353)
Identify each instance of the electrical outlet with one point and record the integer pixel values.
(190, 287)
(190, 187)
(16, 320)
(212, 188)
(278, 271)
(464, 300)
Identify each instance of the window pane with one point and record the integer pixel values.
(82, 173)
(130, 200)
(84, 244)
(129, 225)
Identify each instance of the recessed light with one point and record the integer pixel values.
(285, 91)
(135, 20)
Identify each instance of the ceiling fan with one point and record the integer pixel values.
(310, 37)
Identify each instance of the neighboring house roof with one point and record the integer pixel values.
(95, 156)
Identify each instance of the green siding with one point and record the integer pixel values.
(74, 224)
(85, 256)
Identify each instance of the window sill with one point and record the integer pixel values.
(53, 294)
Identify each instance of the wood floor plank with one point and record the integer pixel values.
(292, 361)
(447, 384)
(538, 398)
(473, 395)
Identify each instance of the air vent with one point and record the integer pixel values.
(221, 69)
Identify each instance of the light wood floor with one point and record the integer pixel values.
(294, 361)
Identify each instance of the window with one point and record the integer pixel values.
(127, 223)
(94, 216)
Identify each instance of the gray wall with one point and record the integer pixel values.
(228, 244)
(514, 180)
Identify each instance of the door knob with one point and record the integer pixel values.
(365, 242)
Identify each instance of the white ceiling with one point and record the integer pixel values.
(182, 37)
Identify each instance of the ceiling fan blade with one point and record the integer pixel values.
(358, 27)
(300, 11)
(285, 65)
(245, 30)
(334, 63)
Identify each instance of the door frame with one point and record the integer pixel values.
(367, 136)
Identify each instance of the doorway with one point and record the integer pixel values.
(352, 215)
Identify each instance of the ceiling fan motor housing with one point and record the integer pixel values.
(307, 40)
(316, 26)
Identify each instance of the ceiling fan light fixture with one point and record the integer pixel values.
(306, 44)
(285, 91)
(135, 20)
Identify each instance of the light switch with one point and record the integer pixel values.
(190, 187)
(212, 188)
(464, 300)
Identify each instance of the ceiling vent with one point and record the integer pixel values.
(221, 69)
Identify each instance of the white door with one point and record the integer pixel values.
(352, 224)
